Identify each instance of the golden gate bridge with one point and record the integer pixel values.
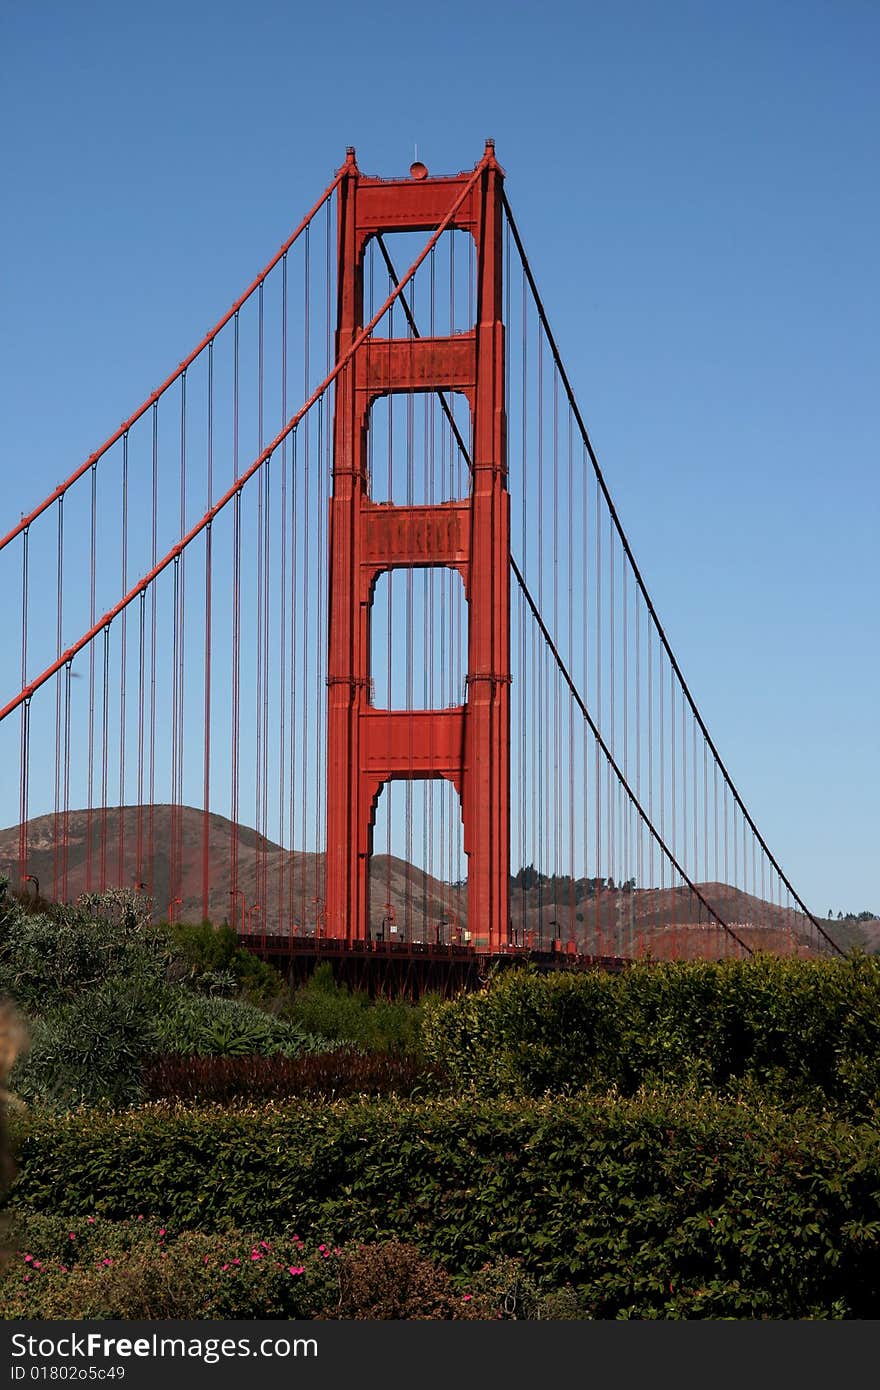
(339, 636)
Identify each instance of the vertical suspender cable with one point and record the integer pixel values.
(307, 526)
(105, 741)
(151, 827)
(599, 722)
(139, 864)
(572, 869)
(283, 917)
(91, 739)
(24, 760)
(181, 740)
(612, 702)
(56, 837)
(123, 631)
(294, 734)
(554, 800)
(174, 865)
(235, 731)
(259, 857)
(206, 766)
(66, 851)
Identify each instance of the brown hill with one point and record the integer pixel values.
(288, 889)
(287, 886)
(668, 923)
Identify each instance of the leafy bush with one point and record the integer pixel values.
(132, 1269)
(342, 1015)
(212, 954)
(656, 1206)
(799, 1031)
(195, 1025)
(394, 1279)
(92, 1049)
(49, 958)
(75, 1267)
(105, 991)
(345, 1072)
(92, 978)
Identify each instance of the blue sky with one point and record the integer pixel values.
(696, 185)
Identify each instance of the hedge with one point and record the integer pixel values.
(345, 1072)
(798, 1031)
(656, 1206)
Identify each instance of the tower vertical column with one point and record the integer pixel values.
(469, 745)
(346, 662)
(487, 773)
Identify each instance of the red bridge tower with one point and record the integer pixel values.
(468, 745)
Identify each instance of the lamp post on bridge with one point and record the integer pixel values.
(320, 917)
(238, 893)
(389, 921)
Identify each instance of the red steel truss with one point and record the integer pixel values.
(468, 745)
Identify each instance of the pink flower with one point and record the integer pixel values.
(28, 1258)
(72, 1236)
(466, 1298)
(64, 1269)
(162, 1232)
(265, 1244)
(322, 1247)
(106, 1262)
(223, 1267)
(91, 1220)
(297, 1269)
(336, 1250)
(206, 1259)
(26, 1278)
(37, 1264)
(140, 1218)
(236, 1262)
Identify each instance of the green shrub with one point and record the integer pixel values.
(805, 1032)
(92, 1049)
(75, 1267)
(195, 1025)
(212, 954)
(393, 1279)
(141, 1270)
(49, 958)
(334, 1011)
(656, 1206)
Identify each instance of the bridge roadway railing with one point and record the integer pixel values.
(410, 968)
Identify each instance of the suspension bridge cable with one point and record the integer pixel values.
(600, 742)
(175, 375)
(640, 581)
(236, 487)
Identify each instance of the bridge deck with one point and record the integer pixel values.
(408, 968)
